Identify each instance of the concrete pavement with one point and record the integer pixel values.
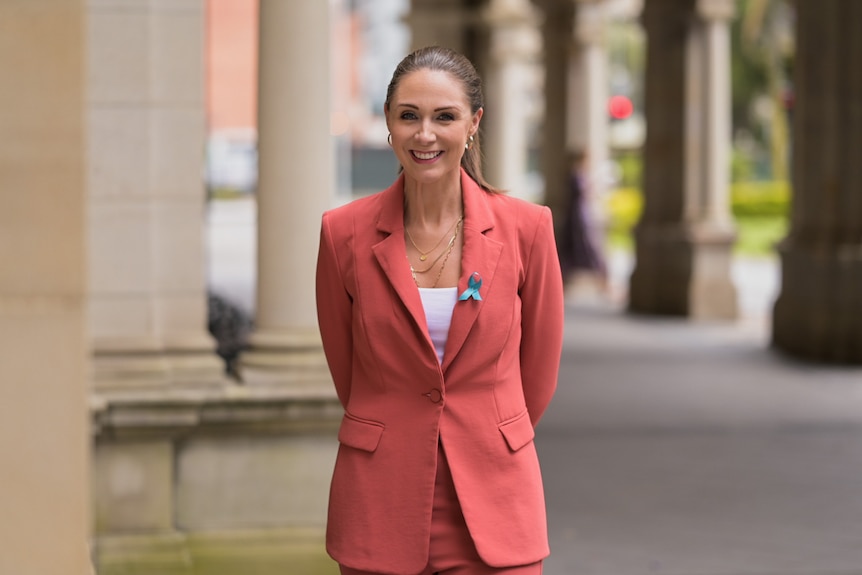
(674, 448)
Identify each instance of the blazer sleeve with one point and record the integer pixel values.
(334, 313)
(542, 316)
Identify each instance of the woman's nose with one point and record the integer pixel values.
(425, 133)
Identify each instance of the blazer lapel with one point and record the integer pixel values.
(392, 255)
(480, 256)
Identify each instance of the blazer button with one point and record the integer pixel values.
(435, 395)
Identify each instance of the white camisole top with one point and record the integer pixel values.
(439, 304)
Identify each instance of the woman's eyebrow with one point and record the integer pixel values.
(415, 107)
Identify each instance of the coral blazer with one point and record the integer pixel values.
(498, 374)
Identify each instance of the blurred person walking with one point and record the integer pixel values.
(581, 247)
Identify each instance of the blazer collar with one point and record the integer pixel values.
(480, 255)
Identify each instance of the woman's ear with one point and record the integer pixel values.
(477, 117)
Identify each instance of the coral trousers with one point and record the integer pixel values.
(452, 551)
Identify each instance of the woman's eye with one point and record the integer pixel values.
(408, 116)
(447, 117)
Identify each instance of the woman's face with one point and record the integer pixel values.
(430, 121)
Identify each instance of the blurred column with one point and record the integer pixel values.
(509, 76)
(685, 237)
(709, 121)
(587, 127)
(575, 94)
(440, 23)
(296, 185)
(44, 446)
(818, 314)
(146, 136)
(154, 359)
(558, 32)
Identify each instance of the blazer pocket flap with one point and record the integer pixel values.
(518, 431)
(360, 433)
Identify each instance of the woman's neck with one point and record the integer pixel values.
(432, 204)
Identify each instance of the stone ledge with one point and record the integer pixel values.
(181, 411)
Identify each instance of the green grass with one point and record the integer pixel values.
(226, 194)
(623, 207)
(759, 210)
(757, 235)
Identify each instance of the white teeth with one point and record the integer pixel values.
(426, 155)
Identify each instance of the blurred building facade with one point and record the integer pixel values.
(193, 472)
(230, 56)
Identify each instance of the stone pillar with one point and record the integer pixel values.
(440, 23)
(587, 99)
(44, 523)
(558, 28)
(296, 185)
(709, 83)
(146, 136)
(818, 314)
(685, 236)
(575, 94)
(509, 76)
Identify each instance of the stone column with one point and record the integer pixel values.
(587, 127)
(818, 314)
(558, 28)
(575, 94)
(440, 23)
(685, 236)
(296, 185)
(146, 136)
(709, 73)
(509, 76)
(44, 523)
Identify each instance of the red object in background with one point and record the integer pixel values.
(620, 107)
(788, 98)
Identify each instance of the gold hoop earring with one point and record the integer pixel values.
(469, 143)
(389, 139)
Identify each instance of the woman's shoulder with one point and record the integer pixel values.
(344, 220)
(362, 218)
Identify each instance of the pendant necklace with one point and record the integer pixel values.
(424, 255)
(447, 252)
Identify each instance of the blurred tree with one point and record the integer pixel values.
(762, 54)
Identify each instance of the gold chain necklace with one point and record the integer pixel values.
(437, 259)
(447, 252)
(424, 255)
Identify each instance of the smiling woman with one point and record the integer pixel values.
(429, 139)
(441, 391)
(457, 70)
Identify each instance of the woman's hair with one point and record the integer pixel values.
(446, 60)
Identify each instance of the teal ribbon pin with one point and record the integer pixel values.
(472, 290)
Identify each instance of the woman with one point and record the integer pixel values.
(440, 307)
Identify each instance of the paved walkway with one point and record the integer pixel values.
(693, 449)
(678, 448)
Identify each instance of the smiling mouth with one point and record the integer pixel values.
(425, 155)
